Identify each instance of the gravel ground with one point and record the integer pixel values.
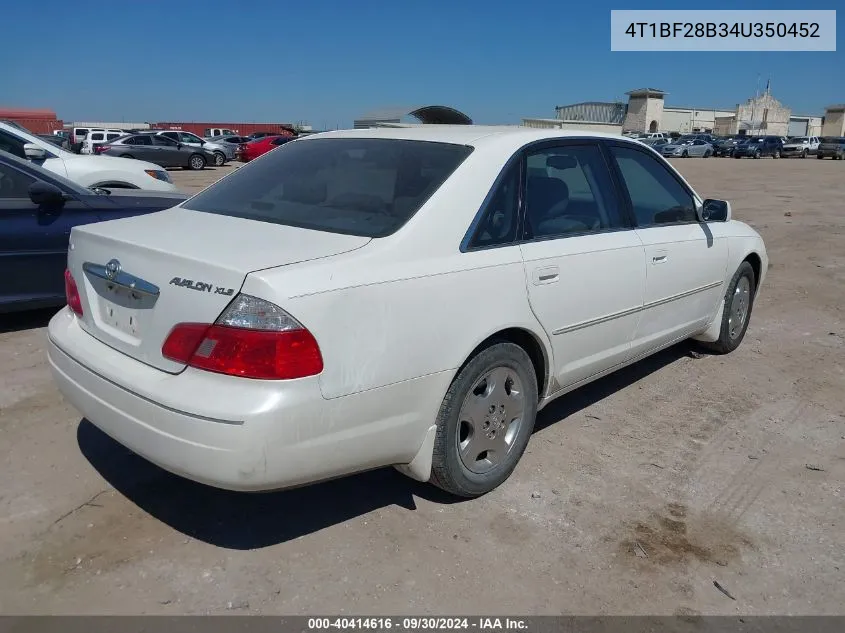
(636, 493)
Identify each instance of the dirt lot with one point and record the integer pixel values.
(635, 495)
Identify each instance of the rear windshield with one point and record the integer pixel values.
(367, 187)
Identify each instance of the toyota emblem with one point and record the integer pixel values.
(112, 269)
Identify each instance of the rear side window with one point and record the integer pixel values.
(111, 137)
(143, 140)
(367, 187)
(656, 195)
(97, 136)
(499, 223)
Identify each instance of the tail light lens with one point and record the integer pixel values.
(99, 149)
(74, 301)
(253, 338)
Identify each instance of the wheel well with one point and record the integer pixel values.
(116, 185)
(527, 341)
(756, 265)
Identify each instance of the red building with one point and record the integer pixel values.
(244, 129)
(36, 121)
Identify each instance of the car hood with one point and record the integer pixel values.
(108, 162)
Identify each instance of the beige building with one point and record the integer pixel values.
(645, 110)
(834, 121)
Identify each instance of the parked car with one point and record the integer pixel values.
(651, 135)
(686, 148)
(99, 138)
(758, 146)
(724, 145)
(219, 153)
(255, 148)
(257, 135)
(86, 171)
(801, 146)
(58, 141)
(230, 144)
(79, 134)
(160, 150)
(342, 330)
(39, 210)
(833, 146)
(212, 132)
(656, 143)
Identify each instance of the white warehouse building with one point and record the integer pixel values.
(646, 111)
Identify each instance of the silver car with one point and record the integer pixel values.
(683, 148)
(229, 143)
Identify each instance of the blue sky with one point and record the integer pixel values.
(328, 61)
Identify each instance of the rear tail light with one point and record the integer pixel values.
(99, 149)
(74, 301)
(253, 338)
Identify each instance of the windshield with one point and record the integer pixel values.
(798, 139)
(357, 186)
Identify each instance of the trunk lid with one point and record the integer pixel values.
(140, 276)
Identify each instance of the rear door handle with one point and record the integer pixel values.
(546, 275)
(659, 259)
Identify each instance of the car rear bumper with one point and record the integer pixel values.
(235, 433)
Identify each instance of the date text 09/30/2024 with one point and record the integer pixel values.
(418, 624)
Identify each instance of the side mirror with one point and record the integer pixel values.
(33, 152)
(178, 145)
(45, 194)
(715, 211)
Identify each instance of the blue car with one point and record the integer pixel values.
(37, 211)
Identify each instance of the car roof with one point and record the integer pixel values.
(474, 135)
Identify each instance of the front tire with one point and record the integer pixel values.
(739, 300)
(805, 153)
(758, 154)
(776, 154)
(707, 154)
(485, 421)
(196, 162)
(219, 159)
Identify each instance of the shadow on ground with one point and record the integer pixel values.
(28, 320)
(248, 521)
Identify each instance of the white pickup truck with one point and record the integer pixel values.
(801, 146)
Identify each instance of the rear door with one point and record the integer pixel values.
(584, 264)
(33, 240)
(141, 147)
(685, 261)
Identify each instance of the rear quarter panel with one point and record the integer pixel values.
(421, 318)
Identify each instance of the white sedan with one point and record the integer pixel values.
(86, 171)
(405, 297)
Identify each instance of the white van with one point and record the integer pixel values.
(99, 137)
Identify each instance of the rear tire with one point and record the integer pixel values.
(685, 154)
(776, 154)
(196, 162)
(485, 421)
(739, 301)
(819, 156)
(707, 154)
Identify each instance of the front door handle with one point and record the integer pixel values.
(660, 258)
(546, 275)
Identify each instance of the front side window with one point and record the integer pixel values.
(13, 183)
(171, 135)
(568, 190)
(656, 195)
(189, 138)
(357, 186)
(12, 144)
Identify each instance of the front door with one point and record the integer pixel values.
(33, 241)
(584, 263)
(685, 260)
